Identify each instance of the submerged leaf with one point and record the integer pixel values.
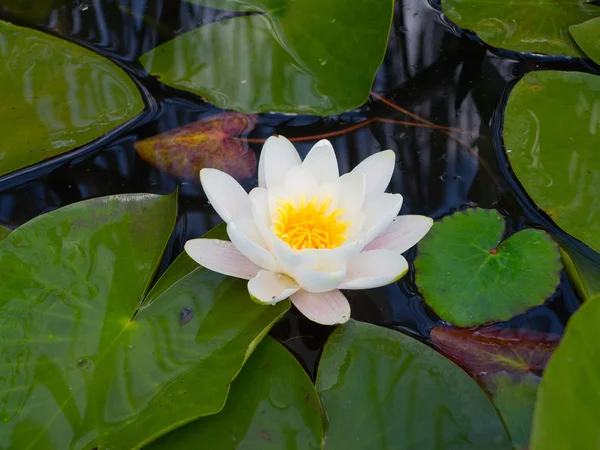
(468, 277)
(213, 142)
(497, 349)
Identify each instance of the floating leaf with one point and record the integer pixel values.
(4, 232)
(81, 365)
(583, 273)
(469, 278)
(381, 389)
(209, 143)
(492, 350)
(540, 26)
(586, 35)
(272, 405)
(568, 398)
(56, 96)
(552, 136)
(514, 396)
(293, 56)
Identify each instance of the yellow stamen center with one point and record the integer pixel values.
(308, 225)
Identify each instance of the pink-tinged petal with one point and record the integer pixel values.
(319, 280)
(277, 158)
(381, 211)
(222, 257)
(402, 234)
(268, 288)
(322, 163)
(374, 269)
(245, 236)
(378, 169)
(326, 308)
(226, 196)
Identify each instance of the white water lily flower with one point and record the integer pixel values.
(307, 232)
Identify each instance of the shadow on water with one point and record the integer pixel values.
(431, 69)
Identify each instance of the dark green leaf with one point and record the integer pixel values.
(587, 36)
(583, 273)
(79, 370)
(566, 413)
(272, 405)
(56, 96)
(381, 389)
(552, 137)
(540, 26)
(294, 56)
(469, 278)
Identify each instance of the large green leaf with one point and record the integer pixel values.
(469, 278)
(80, 369)
(540, 26)
(583, 273)
(56, 96)
(569, 396)
(587, 36)
(381, 389)
(272, 405)
(303, 56)
(552, 137)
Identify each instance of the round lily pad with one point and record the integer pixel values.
(469, 278)
(552, 136)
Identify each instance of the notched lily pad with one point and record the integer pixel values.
(469, 278)
(539, 26)
(208, 143)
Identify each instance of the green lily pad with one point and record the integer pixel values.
(56, 96)
(514, 396)
(583, 273)
(381, 389)
(566, 413)
(272, 405)
(293, 56)
(552, 137)
(586, 35)
(82, 366)
(540, 26)
(4, 232)
(469, 278)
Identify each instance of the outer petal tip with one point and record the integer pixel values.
(327, 308)
(268, 288)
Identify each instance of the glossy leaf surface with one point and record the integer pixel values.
(566, 414)
(552, 135)
(583, 273)
(272, 405)
(209, 143)
(469, 278)
(381, 389)
(293, 56)
(540, 26)
(78, 369)
(492, 350)
(587, 37)
(514, 396)
(56, 96)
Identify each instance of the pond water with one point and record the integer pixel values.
(431, 70)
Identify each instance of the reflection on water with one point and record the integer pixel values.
(429, 70)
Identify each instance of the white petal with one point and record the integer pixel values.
(352, 195)
(327, 308)
(381, 211)
(318, 281)
(402, 234)
(373, 269)
(299, 182)
(378, 169)
(270, 287)
(259, 200)
(226, 196)
(278, 156)
(222, 257)
(322, 163)
(245, 236)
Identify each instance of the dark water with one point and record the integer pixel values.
(431, 69)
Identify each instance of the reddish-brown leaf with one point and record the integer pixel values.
(495, 349)
(209, 143)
